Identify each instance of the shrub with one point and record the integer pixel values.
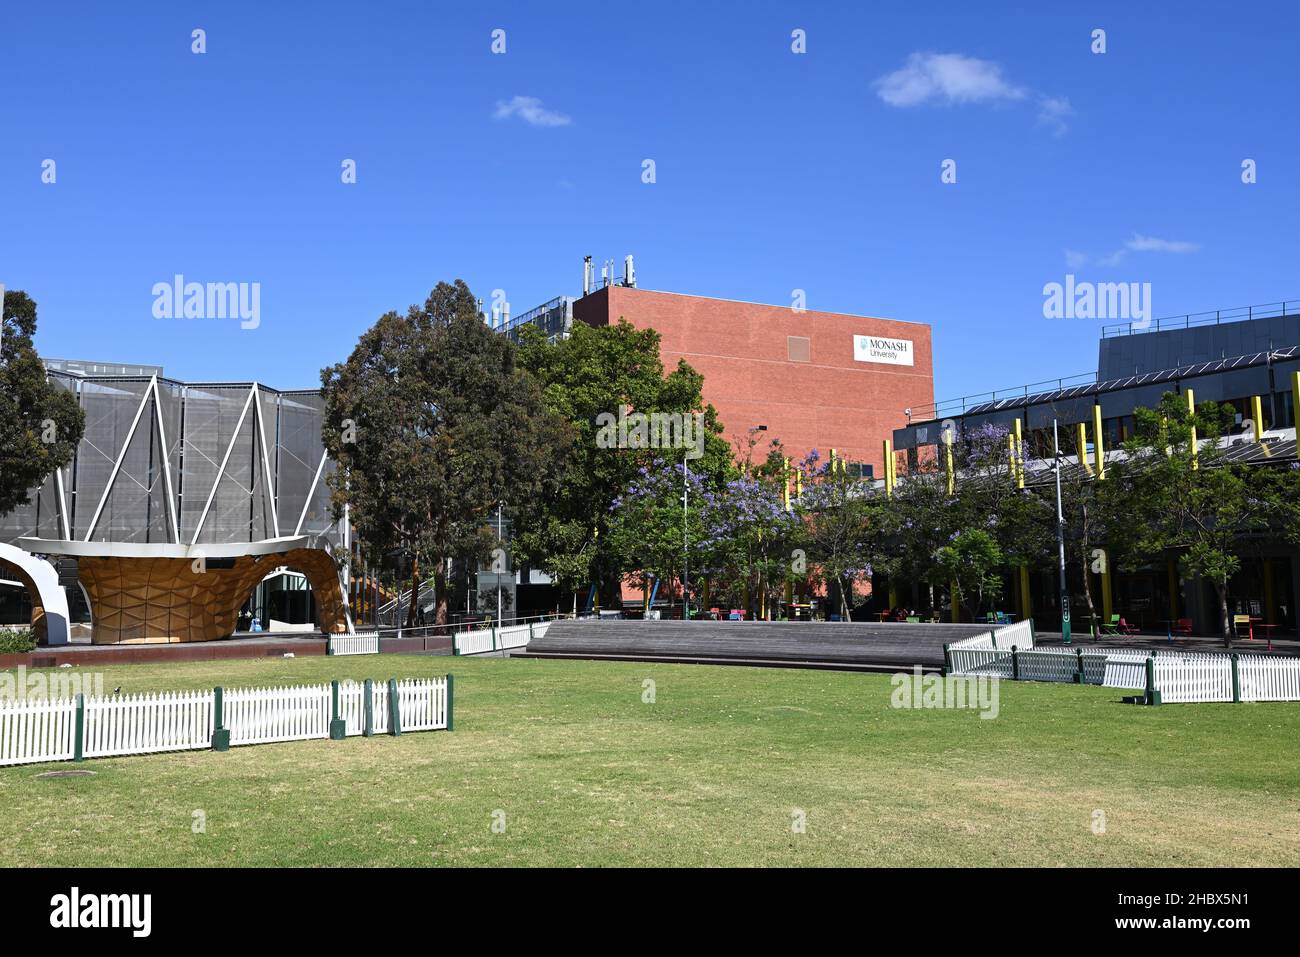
(16, 642)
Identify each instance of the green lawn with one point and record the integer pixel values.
(711, 774)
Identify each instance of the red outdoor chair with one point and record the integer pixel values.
(1125, 628)
(1183, 626)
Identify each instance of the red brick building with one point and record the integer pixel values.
(818, 380)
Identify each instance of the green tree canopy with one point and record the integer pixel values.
(40, 423)
(586, 379)
(433, 425)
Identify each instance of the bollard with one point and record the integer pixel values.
(1236, 680)
(1078, 675)
(1153, 693)
(1015, 664)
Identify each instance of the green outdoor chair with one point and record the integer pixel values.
(1110, 629)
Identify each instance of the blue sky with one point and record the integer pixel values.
(775, 171)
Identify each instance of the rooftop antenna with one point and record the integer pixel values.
(588, 274)
(629, 272)
(604, 274)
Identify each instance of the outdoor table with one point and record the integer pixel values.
(1268, 632)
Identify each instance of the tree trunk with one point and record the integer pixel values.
(440, 594)
(1225, 626)
(415, 592)
(1087, 585)
(844, 600)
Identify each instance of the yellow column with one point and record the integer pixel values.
(1295, 398)
(1082, 439)
(1257, 413)
(1098, 445)
(645, 595)
(1026, 600)
(947, 459)
(1195, 447)
(1107, 602)
(893, 596)
(785, 474)
(1020, 457)
(798, 484)
(889, 471)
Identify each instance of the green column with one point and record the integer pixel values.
(368, 700)
(338, 728)
(451, 715)
(1078, 675)
(1236, 680)
(220, 733)
(1015, 664)
(1153, 693)
(79, 736)
(394, 709)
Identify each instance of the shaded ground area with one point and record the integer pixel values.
(840, 645)
(587, 764)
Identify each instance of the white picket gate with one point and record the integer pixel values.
(1193, 677)
(263, 715)
(1020, 635)
(1126, 669)
(361, 643)
(33, 730)
(139, 724)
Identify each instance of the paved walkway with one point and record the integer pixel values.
(1289, 645)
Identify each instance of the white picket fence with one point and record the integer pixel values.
(139, 724)
(480, 641)
(1265, 678)
(1178, 676)
(37, 731)
(33, 731)
(1193, 677)
(361, 643)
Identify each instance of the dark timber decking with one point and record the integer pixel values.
(856, 646)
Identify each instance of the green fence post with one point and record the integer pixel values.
(329, 644)
(1015, 664)
(494, 637)
(220, 733)
(338, 727)
(368, 694)
(1078, 675)
(1153, 693)
(530, 632)
(993, 636)
(1236, 681)
(79, 738)
(947, 659)
(394, 709)
(451, 715)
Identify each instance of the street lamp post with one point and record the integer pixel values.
(1060, 539)
(686, 554)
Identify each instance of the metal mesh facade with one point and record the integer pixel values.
(169, 462)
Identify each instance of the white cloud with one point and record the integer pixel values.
(1148, 244)
(1052, 111)
(1075, 259)
(946, 78)
(531, 111)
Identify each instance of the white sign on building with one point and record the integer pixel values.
(894, 352)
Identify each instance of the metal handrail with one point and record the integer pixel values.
(1191, 320)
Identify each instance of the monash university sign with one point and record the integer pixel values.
(894, 352)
